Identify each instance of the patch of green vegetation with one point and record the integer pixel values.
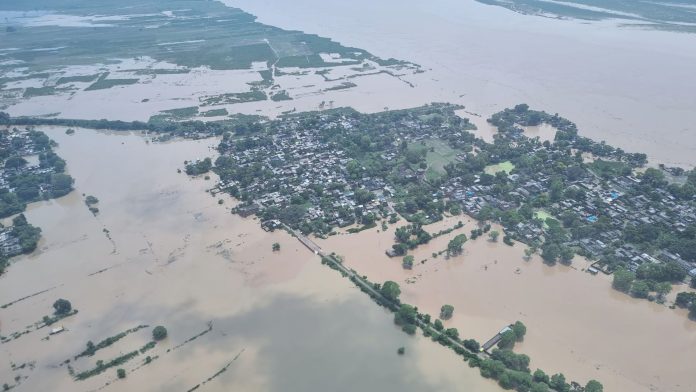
(342, 86)
(103, 83)
(78, 78)
(102, 367)
(232, 98)
(281, 96)
(309, 61)
(266, 75)
(202, 33)
(610, 169)
(659, 14)
(93, 348)
(437, 155)
(215, 113)
(505, 167)
(161, 71)
(182, 112)
(543, 215)
(39, 91)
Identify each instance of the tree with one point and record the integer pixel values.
(507, 340)
(640, 289)
(521, 108)
(472, 345)
(493, 235)
(363, 196)
(62, 306)
(653, 177)
(519, 362)
(159, 333)
(405, 315)
(401, 351)
(407, 262)
(539, 387)
(550, 252)
(61, 184)
(684, 299)
(276, 246)
(121, 373)
(528, 252)
(558, 382)
(540, 376)
(594, 386)
(623, 280)
(391, 290)
(452, 333)
(566, 254)
(400, 249)
(15, 162)
(446, 312)
(520, 330)
(199, 167)
(438, 325)
(454, 247)
(409, 329)
(662, 289)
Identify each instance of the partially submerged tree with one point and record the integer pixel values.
(62, 306)
(446, 312)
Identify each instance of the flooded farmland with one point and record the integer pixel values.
(240, 316)
(628, 86)
(162, 251)
(577, 324)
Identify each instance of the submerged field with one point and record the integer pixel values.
(162, 251)
(60, 58)
(676, 15)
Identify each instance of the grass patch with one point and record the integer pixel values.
(103, 83)
(233, 98)
(74, 79)
(151, 72)
(505, 167)
(342, 86)
(182, 112)
(39, 91)
(92, 349)
(609, 169)
(438, 155)
(281, 96)
(215, 113)
(543, 215)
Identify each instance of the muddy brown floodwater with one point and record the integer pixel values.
(577, 324)
(177, 258)
(629, 86)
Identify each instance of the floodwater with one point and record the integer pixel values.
(175, 257)
(630, 87)
(576, 323)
